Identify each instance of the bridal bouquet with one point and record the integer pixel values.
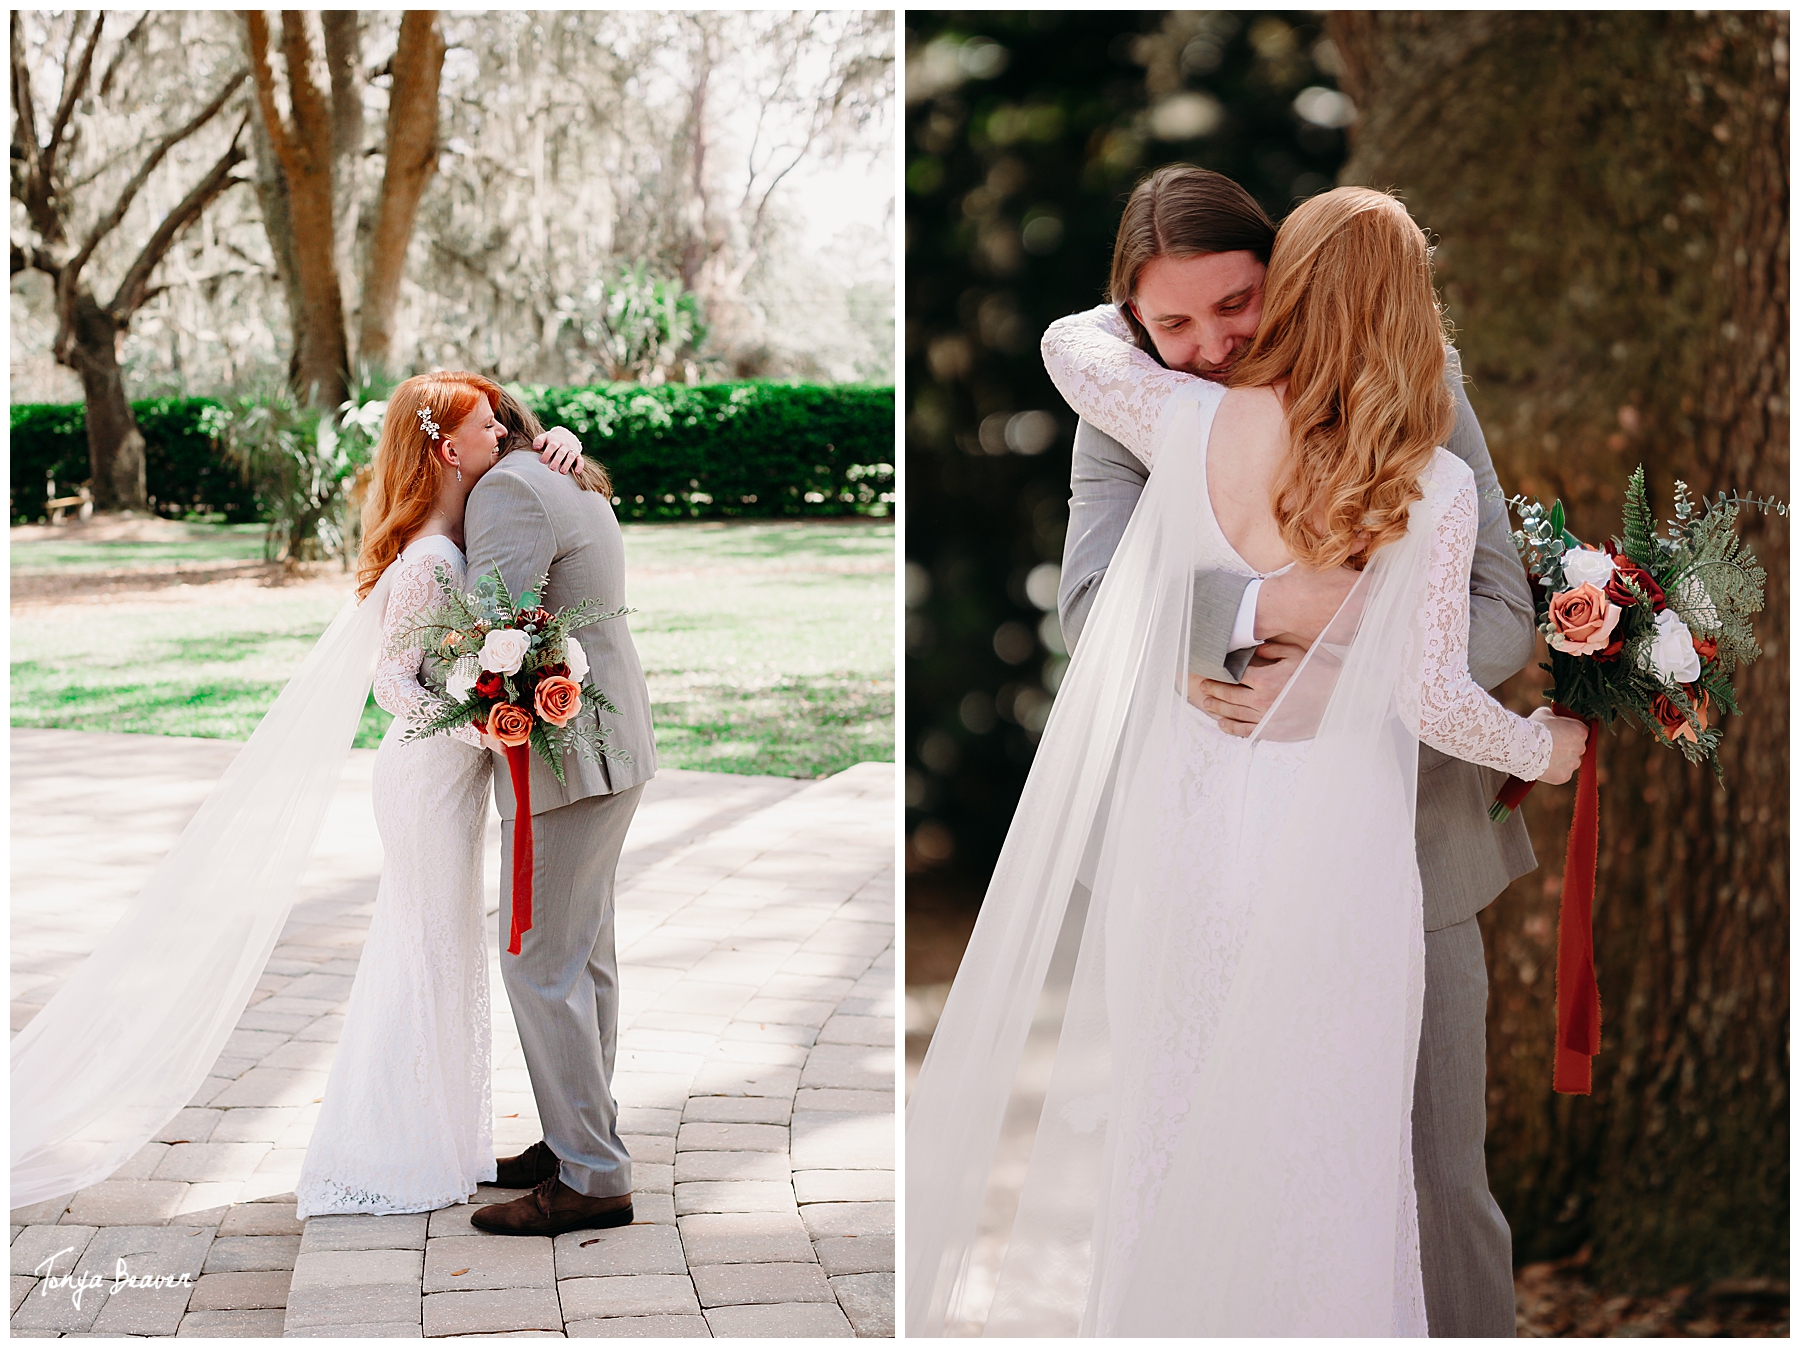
(517, 674)
(1648, 627)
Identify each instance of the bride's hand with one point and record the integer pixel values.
(1238, 707)
(1568, 742)
(559, 448)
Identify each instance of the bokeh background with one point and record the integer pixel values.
(1608, 194)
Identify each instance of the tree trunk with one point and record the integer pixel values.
(278, 224)
(115, 444)
(1609, 195)
(343, 58)
(304, 149)
(412, 151)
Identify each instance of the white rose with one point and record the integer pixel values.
(577, 660)
(1672, 649)
(462, 678)
(1587, 566)
(504, 651)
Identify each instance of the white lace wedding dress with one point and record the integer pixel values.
(1229, 1107)
(407, 1119)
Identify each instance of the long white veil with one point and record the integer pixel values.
(126, 1042)
(1291, 1176)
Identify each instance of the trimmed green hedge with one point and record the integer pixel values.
(675, 451)
(182, 471)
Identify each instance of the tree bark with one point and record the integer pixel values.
(304, 149)
(343, 59)
(115, 444)
(1609, 195)
(412, 149)
(278, 225)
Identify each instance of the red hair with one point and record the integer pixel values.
(1351, 322)
(407, 470)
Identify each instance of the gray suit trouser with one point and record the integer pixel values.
(1463, 1237)
(564, 984)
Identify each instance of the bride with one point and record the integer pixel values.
(406, 1123)
(1223, 937)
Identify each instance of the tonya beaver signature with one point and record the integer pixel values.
(77, 1283)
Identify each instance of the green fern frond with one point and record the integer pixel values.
(1637, 521)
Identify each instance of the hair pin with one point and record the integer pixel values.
(425, 421)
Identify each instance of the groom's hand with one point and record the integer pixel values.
(1299, 603)
(1238, 707)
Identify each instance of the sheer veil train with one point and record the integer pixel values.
(1281, 1225)
(126, 1042)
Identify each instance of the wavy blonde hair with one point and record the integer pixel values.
(406, 471)
(1350, 320)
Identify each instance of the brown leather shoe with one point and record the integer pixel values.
(550, 1209)
(531, 1166)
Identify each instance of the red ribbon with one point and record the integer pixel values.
(1577, 990)
(518, 763)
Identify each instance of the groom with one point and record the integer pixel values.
(528, 519)
(1188, 265)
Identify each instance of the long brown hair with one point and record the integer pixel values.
(406, 470)
(522, 427)
(1182, 211)
(1351, 322)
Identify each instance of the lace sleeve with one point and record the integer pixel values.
(397, 687)
(1456, 716)
(1108, 379)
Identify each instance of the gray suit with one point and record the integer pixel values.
(526, 518)
(1464, 859)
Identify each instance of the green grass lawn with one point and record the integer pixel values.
(202, 543)
(768, 647)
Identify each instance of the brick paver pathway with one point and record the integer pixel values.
(756, 1072)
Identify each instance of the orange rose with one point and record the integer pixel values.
(509, 724)
(1706, 648)
(450, 639)
(1702, 704)
(1582, 620)
(558, 699)
(1673, 723)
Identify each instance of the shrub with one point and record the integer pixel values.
(183, 469)
(683, 451)
(49, 444)
(676, 451)
(302, 462)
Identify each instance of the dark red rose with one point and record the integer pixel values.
(554, 672)
(1624, 566)
(537, 617)
(489, 685)
(1672, 721)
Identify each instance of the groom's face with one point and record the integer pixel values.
(1201, 311)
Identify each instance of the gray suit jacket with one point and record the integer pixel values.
(1464, 858)
(527, 518)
